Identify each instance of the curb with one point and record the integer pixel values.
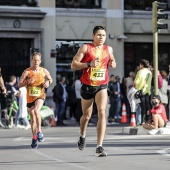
(139, 130)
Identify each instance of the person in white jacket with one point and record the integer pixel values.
(134, 104)
(23, 107)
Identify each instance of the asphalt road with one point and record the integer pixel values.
(59, 150)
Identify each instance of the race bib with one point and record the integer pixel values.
(34, 91)
(97, 74)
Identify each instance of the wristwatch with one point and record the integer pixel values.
(88, 64)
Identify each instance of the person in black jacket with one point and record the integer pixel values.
(115, 100)
(111, 100)
(59, 97)
(71, 99)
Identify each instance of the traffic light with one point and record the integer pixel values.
(158, 16)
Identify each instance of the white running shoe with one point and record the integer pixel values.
(27, 127)
(153, 132)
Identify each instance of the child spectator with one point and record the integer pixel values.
(159, 118)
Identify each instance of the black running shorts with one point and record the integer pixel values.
(89, 92)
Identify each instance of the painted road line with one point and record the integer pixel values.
(164, 152)
(59, 160)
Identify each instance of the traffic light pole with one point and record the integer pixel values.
(157, 16)
(155, 59)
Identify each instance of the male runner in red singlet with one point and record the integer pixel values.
(35, 79)
(94, 60)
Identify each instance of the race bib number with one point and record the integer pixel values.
(34, 91)
(97, 74)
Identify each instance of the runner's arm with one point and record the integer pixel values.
(22, 82)
(48, 77)
(112, 62)
(76, 63)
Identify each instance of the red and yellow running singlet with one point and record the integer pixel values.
(36, 90)
(95, 76)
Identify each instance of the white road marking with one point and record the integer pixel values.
(163, 152)
(19, 139)
(92, 138)
(59, 160)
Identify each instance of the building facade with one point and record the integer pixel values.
(57, 28)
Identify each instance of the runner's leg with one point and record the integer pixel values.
(33, 121)
(38, 105)
(87, 106)
(101, 102)
(158, 121)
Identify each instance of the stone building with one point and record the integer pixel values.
(57, 28)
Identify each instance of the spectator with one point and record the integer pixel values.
(112, 100)
(163, 91)
(158, 114)
(118, 95)
(60, 97)
(23, 107)
(134, 104)
(160, 81)
(79, 112)
(71, 99)
(143, 82)
(12, 90)
(115, 101)
(129, 82)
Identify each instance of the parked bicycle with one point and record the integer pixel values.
(7, 114)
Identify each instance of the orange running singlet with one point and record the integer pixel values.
(96, 76)
(36, 90)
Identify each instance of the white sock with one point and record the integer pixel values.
(99, 146)
(83, 136)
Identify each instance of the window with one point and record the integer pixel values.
(142, 4)
(134, 52)
(66, 50)
(18, 2)
(78, 4)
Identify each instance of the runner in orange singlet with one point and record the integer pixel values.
(35, 79)
(94, 60)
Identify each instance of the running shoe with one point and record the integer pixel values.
(100, 152)
(40, 137)
(34, 144)
(153, 132)
(81, 143)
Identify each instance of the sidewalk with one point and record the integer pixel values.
(126, 128)
(139, 130)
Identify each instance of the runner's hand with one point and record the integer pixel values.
(112, 63)
(29, 80)
(3, 90)
(46, 84)
(94, 63)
